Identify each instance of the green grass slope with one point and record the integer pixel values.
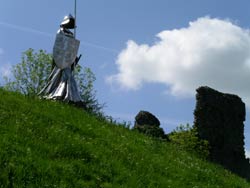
(48, 144)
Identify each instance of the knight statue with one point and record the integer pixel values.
(61, 84)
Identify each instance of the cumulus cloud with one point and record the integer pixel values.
(247, 153)
(209, 51)
(5, 70)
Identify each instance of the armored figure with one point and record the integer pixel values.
(61, 83)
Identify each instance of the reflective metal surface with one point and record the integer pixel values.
(65, 50)
(61, 83)
(61, 86)
(68, 22)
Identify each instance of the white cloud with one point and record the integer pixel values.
(210, 52)
(5, 71)
(5, 68)
(247, 153)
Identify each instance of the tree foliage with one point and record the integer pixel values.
(31, 74)
(186, 137)
(152, 131)
(85, 79)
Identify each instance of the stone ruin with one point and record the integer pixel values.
(148, 124)
(219, 119)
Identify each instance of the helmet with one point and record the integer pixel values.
(68, 22)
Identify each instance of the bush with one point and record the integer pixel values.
(186, 137)
(31, 74)
(153, 131)
(85, 79)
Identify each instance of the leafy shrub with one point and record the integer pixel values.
(85, 79)
(31, 74)
(113, 121)
(153, 131)
(186, 137)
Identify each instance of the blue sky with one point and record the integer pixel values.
(133, 48)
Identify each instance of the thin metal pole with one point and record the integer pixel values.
(75, 20)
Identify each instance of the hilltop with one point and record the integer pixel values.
(50, 144)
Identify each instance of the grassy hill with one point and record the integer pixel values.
(49, 144)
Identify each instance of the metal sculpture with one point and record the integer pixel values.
(61, 83)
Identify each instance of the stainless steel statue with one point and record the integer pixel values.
(61, 83)
(65, 50)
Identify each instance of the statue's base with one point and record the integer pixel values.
(78, 104)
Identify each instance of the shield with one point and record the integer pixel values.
(65, 50)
